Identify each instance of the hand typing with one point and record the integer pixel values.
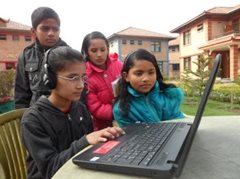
(104, 134)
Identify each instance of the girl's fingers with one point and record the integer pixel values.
(102, 139)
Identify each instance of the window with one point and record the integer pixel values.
(28, 38)
(175, 67)
(160, 65)
(139, 42)
(187, 63)
(172, 49)
(200, 28)
(3, 37)
(235, 25)
(124, 41)
(131, 42)
(186, 38)
(15, 37)
(156, 47)
(10, 65)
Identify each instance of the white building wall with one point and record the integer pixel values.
(114, 46)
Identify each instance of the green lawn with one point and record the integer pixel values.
(213, 108)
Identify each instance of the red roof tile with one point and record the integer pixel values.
(174, 41)
(215, 10)
(14, 25)
(132, 31)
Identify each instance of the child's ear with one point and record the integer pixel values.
(33, 32)
(125, 76)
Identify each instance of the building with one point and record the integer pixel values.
(174, 59)
(13, 38)
(132, 38)
(213, 31)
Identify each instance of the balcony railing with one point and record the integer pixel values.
(232, 32)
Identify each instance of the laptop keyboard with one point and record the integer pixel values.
(140, 149)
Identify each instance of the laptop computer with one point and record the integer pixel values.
(153, 150)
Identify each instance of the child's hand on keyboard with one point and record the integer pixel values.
(104, 134)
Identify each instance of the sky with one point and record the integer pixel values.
(80, 17)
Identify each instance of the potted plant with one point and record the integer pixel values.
(6, 90)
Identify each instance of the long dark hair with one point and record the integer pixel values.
(123, 96)
(88, 38)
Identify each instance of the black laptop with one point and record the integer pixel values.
(152, 150)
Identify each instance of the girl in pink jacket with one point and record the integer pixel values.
(102, 69)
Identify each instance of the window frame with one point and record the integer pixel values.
(28, 38)
(3, 36)
(187, 63)
(200, 27)
(139, 42)
(132, 42)
(155, 46)
(187, 37)
(15, 37)
(124, 41)
(10, 65)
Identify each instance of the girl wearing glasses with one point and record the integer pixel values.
(102, 69)
(57, 127)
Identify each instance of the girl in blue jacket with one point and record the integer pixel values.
(142, 94)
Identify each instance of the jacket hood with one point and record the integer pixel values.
(46, 106)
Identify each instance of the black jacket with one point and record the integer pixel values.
(52, 137)
(28, 84)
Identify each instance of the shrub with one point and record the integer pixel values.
(238, 79)
(6, 83)
(226, 93)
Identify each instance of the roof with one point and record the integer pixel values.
(137, 32)
(174, 41)
(213, 11)
(11, 25)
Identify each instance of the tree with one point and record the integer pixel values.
(194, 82)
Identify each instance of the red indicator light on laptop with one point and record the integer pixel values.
(105, 148)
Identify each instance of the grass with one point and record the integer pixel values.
(213, 108)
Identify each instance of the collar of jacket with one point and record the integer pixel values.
(92, 68)
(43, 49)
(137, 94)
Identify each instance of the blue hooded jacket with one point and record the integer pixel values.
(152, 107)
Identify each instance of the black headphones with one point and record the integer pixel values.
(49, 77)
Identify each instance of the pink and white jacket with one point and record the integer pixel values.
(99, 91)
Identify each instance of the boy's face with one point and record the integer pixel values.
(47, 32)
(142, 76)
(68, 90)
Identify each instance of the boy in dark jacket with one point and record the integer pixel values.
(58, 126)
(46, 30)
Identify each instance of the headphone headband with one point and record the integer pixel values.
(49, 78)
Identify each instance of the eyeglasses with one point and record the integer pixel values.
(75, 79)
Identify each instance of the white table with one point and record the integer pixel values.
(215, 154)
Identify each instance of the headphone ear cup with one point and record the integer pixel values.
(45, 75)
(52, 79)
(49, 78)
